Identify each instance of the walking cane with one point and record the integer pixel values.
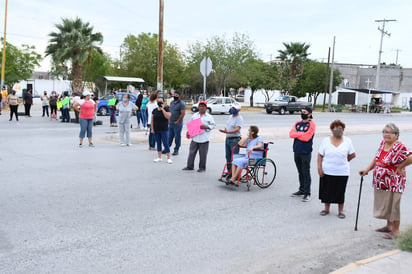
(357, 211)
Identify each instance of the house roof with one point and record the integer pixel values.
(372, 91)
(122, 79)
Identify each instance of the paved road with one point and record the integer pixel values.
(111, 209)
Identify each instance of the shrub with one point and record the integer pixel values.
(405, 240)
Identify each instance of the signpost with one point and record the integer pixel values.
(205, 70)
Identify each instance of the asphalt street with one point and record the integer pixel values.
(111, 209)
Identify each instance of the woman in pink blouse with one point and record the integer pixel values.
(86, 109)
(389, 179)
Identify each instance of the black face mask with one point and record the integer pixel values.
(175, 98)
(304, 116)
(160, 104)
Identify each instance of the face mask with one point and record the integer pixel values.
(175, 98)
(304, 116)
(233, 111)
(337, 132)
(144, 96)
(159, 104)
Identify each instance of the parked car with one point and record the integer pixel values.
(218, 105)
(285, 103)
(103, 108)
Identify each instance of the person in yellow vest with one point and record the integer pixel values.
(4, 95)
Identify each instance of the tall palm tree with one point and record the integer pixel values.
(73, 42)
(297, 54)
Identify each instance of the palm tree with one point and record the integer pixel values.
(296, 53)
(74, 42)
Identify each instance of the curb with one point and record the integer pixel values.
(352, 266)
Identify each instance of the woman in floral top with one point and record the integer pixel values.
(389, 179)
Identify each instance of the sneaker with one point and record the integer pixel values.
(201, 170)
(129, 145)
(297, 194)
(91, 145)
(157, 160)
(80, 145)
(175, 153)
(169, 161)
(306, 198)
(122, 145)
(187, 168)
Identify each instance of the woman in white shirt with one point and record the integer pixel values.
(335, 152)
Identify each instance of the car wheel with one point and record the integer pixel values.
(209, 110)
(194, 109)
(282, 111)
(103, 111)
(268, 111)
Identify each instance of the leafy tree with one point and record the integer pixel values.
(294, 56)
(227, 56)
(140, 59)
(314, 78)
(98, 64)
(20, 63)
(256, 74)
(73, 43)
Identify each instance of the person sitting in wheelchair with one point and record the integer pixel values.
(254, 149)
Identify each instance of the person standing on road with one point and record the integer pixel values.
(178, 111)
(151, 105)
(28, 102)
(145, 100)
(200, 142)
(66, 107)
(139, 109)
(45, 103)
(303, 132)
(389, 179)
(232, 130)
(53, 105)
(86, 108)
(126, 110)
(159, 127)
(13, 102)
(334, 155)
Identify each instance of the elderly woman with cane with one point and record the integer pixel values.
(389, 179)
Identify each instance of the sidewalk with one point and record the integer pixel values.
(395, 261)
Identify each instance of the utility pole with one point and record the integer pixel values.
(326, 82)
(160, 56)
(3, 61)
(383, 32)
(369, 94)
(331, 76)
(397, 53)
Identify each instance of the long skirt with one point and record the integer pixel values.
(387, 205)
(332, 189)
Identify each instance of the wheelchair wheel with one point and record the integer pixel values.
(265, 172)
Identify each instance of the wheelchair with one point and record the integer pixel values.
(258, 171)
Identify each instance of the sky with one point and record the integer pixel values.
(267, 23)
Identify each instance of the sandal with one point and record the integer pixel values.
(389, 236)
(383, 229)
(324, 212)
(341, 215)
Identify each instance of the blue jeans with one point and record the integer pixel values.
(161, 137)
(86, 125)
(139, 117)
(229, 144)
(112, 113)
(65, 115)
(144, 117)
(152, 141)
(175, 132)
(302, 162)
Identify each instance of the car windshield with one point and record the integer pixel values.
(282, 98)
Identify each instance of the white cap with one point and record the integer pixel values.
(86, 93)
